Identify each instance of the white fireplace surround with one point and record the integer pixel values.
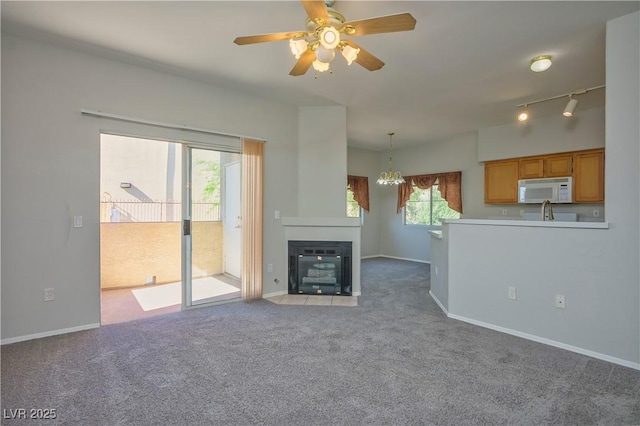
(328, 229)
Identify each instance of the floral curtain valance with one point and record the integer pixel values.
(360, 187)
(449, 184)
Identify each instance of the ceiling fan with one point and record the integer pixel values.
(326, 28)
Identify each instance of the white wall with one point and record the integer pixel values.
(50, 170)
(585, 130)
(362, 162)
(322, 159)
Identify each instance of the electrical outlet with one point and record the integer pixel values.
(504, 212)
(270, 267)
(513, 293)
(48, 294)
(596, 213)
(521, 213)
(436, 269)
(560, 301)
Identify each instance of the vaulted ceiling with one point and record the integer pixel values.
(464, 67)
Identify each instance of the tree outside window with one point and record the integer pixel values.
(427, 207)
(353, 208)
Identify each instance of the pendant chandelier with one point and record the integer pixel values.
(390, 177)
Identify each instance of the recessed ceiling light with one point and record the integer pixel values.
(540, 63)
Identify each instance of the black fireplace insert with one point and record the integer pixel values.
(320, 267)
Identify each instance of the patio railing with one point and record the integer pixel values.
(155, 211)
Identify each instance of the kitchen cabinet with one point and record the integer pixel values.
(586, 168)
(545, 166)
(501, 182)
(558, 165)
(531, 168)
(588, 176)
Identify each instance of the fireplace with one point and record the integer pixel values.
(320, 267)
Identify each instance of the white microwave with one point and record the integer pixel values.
(536, 191)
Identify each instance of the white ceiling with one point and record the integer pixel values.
(464, 67)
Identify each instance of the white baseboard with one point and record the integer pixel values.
(373, 256)
(48, 334)
(433, 296)
(398, 258)
(532, 337)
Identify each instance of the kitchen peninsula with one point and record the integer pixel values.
(506, 275)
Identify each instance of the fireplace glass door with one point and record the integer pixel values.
(319, 274)
(320, 267)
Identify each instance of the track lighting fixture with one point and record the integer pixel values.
(524, 114)
(571, 107)
(568, 111)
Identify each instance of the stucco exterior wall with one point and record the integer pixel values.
(132, 252)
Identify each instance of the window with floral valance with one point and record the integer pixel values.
(359, 185)
(450, 186)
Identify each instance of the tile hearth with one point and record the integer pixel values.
(313, 300)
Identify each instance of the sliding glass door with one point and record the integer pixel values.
(211, 226)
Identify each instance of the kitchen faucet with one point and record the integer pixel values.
(546, 203)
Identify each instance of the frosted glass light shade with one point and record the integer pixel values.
(350, 54)
(325, 55)
(540, 63)
(329, 37)
(298, 47)
(320, 66)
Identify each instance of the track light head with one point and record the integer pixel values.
(524, 114)
(570, 108)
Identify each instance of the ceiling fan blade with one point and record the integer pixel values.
(263, 38)
(303, 64)
(366, 59)
(316, 10)
(383, 24)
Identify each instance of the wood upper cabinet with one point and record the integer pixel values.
(586, 167)
(501, 182)
(558, 165)
(546, 166)
(588, 176)
(531, 168)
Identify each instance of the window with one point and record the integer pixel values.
(353, 208)
(427, 207)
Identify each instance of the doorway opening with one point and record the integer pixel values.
(150, 189)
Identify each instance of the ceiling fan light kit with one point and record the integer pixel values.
(325, 30)
(298, 46)
(349, 53)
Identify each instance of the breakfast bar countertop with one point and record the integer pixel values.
(528, 223)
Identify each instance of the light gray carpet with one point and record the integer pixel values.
(393, 360)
